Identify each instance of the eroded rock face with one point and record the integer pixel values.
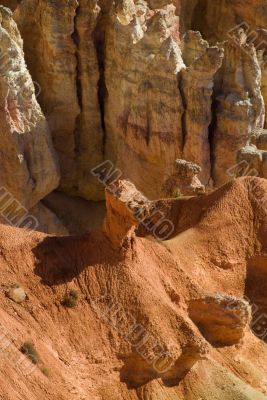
(126, 207)
(29, 169)
(89, 135)
(197, 82)
(47, 29)
(218, 19)
(222, 319)
(252, 159)
(185, 180)
(240, 105)
(143, 344)
(172, 97)
(61, 56)
(143, 125)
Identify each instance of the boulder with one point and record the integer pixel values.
(222, 319)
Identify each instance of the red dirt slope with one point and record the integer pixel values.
(130, 335)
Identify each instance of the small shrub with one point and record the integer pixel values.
(29, 350)
(71, 299)
(45, 371)
(177, 193)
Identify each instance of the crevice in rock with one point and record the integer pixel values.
(198, 22)
(76, 40)
(148, 125)
(212, 128)
(99, 43)
(183, 116)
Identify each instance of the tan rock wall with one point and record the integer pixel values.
(61, 56)
(240, 107)
(197, 82)
(29, 169)
(143, 124)
(118, 82)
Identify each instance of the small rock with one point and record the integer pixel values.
(17, 294)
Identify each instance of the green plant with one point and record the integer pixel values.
(45, 371)
(29, 350)
(177, 193)
(71, 299)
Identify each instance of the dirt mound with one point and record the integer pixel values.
(129, 334)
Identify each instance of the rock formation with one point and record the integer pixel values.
(240, 107)
(185, 181)
(197, 82)
(252, 158)
(126, 207)
(221, 319)
(142, 101)
(61, 56)
(29, 169)
(143, 125)
(89, 135)
(143, 111)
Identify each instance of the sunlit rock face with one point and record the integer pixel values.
(29, 168)
(144, 83)
(143, 125)
(159, 103)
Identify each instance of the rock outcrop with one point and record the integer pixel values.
(60, 52)
(89, 134)
(29, 168)
(173, 97)
(143, 124)
(220, 21)
(185, 181)
(252, 158)
(126, 207)
(50, 52)
(222, 319)
(197, 82)
(240, 107)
